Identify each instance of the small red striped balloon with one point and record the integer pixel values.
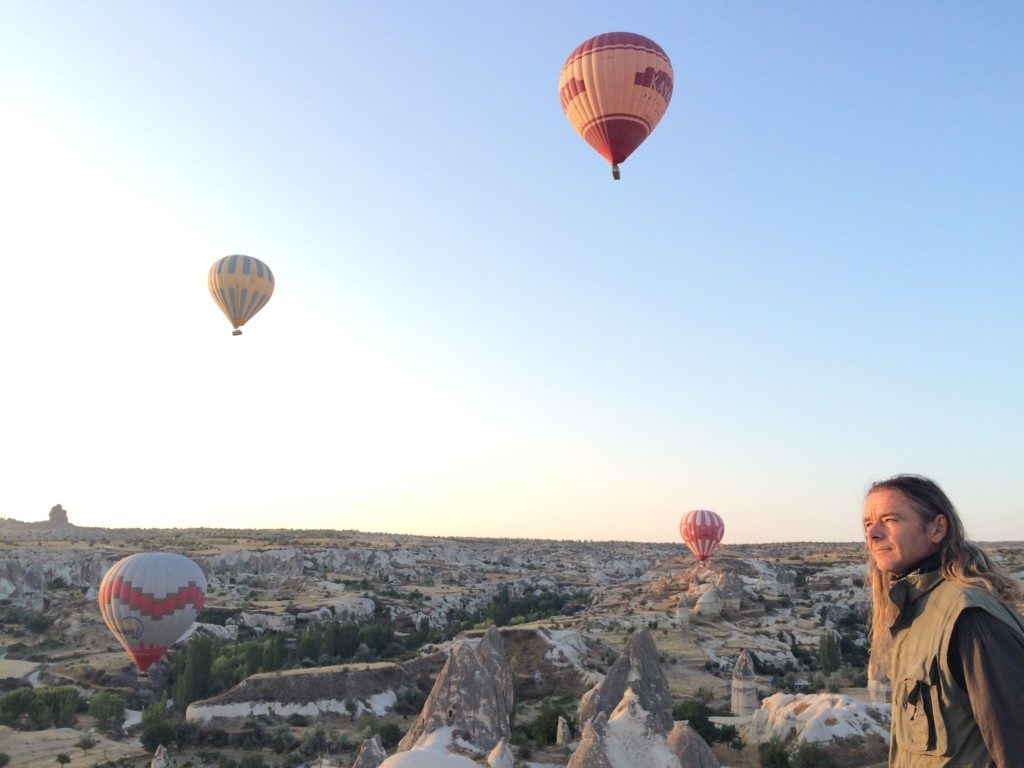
(148, 600)
(701, 530)
(614, 89)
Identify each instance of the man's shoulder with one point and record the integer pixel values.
(958, 596)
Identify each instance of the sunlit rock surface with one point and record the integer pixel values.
(637, 669)
(472, 695)
(817, 717)
(624, 740)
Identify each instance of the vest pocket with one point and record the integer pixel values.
(918, 725)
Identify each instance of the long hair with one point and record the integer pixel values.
(961, 561)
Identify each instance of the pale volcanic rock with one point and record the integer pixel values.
(744, 686)
(501, 756)
(624, 740)
(817, 717)
(563, 735)
(371, 754)
(709, 604)
(690, 748)
(437, 749)
(637, 670)
(472, 694)
(161, 759)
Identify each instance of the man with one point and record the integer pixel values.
(957, 659)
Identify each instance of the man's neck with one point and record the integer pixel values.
(926, 564)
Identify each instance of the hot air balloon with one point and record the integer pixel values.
(241, 286)
(701, 530)
(148, 600)
(614, 89)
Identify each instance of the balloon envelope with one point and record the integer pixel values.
(614, 89)
(701, 530)
(148, 600)
(241, 286)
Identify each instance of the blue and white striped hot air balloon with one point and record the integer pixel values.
(241, 286)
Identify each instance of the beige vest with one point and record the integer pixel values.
(932, 723)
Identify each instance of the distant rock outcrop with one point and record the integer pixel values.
(744, 686)
(472, 695)
(683, 611)
(709, 604)
(563, 736)
(690, 748)
(58, 516)
(631, 737)
(371, 754)
(730, 589)
(637, 670)
(161, 759)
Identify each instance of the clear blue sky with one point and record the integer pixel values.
(808, 278)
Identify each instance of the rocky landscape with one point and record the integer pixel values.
(415, 651)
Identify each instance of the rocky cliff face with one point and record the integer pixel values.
(637, 670)
(472, 696)
(26, 572)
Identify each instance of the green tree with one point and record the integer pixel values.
(107, 709)
(773, 754)
(63, 758)
(156, 734)
(810, 755)
(544, 728)
(829, 653)
(85, 744)
(4, 759)
(194, 682)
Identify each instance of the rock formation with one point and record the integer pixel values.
(709, 604)
(730, 590)
(817, 717)
(161, 759)
(744, 686)
(683, 611)
(637, 670)
(371, 754)
(501, 756)
(563, 736)
(58, 516)
(437, 749)
(631, 737)
(472, 695)
(690, 748)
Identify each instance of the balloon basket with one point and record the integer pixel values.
(615, 171)
(236, 332)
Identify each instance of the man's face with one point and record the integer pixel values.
(896, 536)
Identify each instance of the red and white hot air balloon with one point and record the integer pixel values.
(701, 530)
(148, 600)
(614, 89)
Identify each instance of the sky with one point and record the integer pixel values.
(808, 277)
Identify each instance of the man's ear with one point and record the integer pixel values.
(939, 529)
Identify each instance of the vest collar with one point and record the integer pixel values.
(908, 590)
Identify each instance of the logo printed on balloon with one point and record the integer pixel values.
(130, 628)
(660, 82)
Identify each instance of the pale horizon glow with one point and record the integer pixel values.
(809, 277)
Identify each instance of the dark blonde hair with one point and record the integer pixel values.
(961, 560)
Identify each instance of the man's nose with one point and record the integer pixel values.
(873, 531)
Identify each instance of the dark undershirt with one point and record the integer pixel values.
(986, 658)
